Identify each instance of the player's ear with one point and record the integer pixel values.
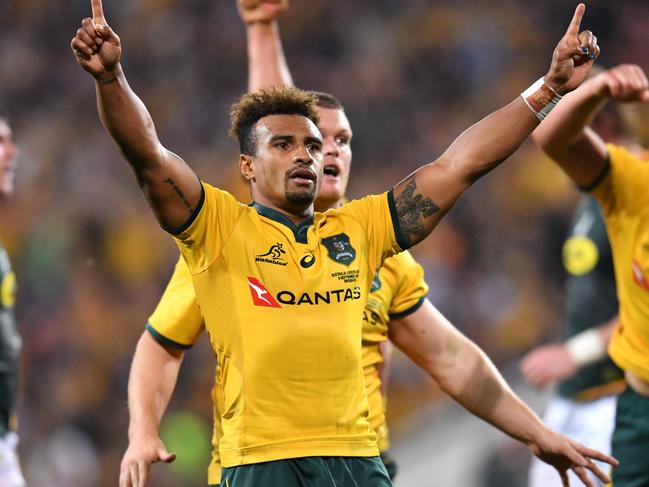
(247, 167)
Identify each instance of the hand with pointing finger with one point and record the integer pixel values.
(573, 57)
(96, 47)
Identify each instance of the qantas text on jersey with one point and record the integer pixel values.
(263, 297)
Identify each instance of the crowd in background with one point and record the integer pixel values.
(91, 260)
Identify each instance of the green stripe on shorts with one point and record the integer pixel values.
(309, 471)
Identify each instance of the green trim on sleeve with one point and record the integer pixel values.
(401, 239)
(410, 310)
(192, 217)
(164, 341)
(600, 177)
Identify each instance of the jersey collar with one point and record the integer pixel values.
(299, 231)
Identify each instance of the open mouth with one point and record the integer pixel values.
(303, 175)
(331, 170)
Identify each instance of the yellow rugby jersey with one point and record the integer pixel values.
(398, 289)
(283, 305)
(624, 196)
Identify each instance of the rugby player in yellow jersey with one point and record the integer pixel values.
(270, 276)
(618, 177)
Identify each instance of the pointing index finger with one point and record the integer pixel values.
(573, 28)
(97, 11)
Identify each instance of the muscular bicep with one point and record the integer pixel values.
(172, 190)
(423, 198)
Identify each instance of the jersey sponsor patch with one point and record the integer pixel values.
(638, 275)
(260, 295)
(340, 248)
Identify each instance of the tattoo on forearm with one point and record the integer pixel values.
(178, 191)
(412, 209)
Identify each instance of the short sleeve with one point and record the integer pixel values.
(177, 321)
(202, 238)
(412, 288)
(375, 216)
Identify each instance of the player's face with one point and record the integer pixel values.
(8, 157)
(287, 170)
(337, 135)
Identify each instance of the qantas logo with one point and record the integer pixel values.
(260, 295)
(638, 275)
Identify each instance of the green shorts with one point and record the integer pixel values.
(631, 440)
(390, 464)
(309, 472)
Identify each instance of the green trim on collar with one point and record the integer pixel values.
(299, 231)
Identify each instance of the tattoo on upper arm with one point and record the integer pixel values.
(412, 209)
(179, 192)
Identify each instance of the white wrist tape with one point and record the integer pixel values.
(586, 347)
(540, 98)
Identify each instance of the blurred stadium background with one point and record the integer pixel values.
(91, 261)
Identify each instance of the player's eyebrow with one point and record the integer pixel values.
(283, 138)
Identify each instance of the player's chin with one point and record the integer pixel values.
(330, 191)
(301, 196)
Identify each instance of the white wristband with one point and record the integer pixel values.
(586, 347)
(540, 98)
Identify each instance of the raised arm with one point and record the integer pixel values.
(266, 62)
(170, 186)
(565, 135)
(425, 196)
(152, 380)
(466, 374)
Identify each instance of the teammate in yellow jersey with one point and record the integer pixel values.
(270, 275)
(618, 177)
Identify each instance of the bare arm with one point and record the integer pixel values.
(266, 62)
(565, 135)
(547, 364)
(152, 380)
(424, 197)
(383, 368)
(466, 374)
(170, 186)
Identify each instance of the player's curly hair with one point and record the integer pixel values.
(251, 107)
